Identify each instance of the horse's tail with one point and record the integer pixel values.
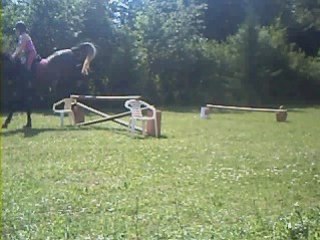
(90, 50)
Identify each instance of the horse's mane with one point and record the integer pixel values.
(10, 68)
(6, 57)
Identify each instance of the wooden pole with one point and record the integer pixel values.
(93, 110)
(91, 97)
(251, 109)
(106, 117)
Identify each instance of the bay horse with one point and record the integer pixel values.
(58, 75)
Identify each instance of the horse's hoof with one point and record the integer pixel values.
(4, 126)
(27, 126)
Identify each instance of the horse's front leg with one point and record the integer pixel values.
(29, 124)
(8, 120)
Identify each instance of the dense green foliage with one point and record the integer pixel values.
(233, 176)
(185, 51)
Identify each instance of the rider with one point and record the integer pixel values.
(25, 49)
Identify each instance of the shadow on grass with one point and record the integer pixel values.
(31, 132)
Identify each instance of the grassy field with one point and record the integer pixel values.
(233, 176)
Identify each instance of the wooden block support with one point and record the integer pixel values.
(77, 114)
(150, 124)
(281, 116)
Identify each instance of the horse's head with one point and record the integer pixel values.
(86, 52)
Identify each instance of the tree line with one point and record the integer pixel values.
(184, 52)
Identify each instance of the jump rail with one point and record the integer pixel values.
(251, 109)
(281, 113)
(91, 97)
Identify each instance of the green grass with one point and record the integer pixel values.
(233, 176)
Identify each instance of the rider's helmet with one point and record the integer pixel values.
(21, 26)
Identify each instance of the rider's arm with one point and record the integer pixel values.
(21, 46)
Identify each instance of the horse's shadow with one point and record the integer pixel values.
(31, 132)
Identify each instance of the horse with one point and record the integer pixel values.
(60, 74)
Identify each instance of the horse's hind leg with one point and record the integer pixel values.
(28, 99)
(8, 120)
